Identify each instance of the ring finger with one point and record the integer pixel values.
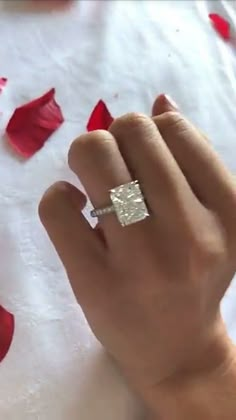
(96, 160)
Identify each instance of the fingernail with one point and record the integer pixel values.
(170, 102)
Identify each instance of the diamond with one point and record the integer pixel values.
(129, 203)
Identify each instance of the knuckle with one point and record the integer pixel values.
(171, 121)
(133, 121)
(87, 143)
(209, 250)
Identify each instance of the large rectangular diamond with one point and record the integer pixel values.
(129, 203)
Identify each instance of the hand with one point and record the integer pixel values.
(150, 291)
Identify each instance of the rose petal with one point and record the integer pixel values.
(3, 82)
(100, 118)
(221, 25)
(6, 331)
(33, 123)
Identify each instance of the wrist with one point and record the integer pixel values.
(206, 394)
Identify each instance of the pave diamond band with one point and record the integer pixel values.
(103, 211)
(127, 203)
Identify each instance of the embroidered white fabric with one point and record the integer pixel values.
(125, 52)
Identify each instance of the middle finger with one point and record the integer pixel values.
(149, 160)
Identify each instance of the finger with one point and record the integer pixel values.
(204, 170)
(96, 160)
(151, 163)
(78, 246)
(164, 103)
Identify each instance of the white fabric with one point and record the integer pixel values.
(124, 52)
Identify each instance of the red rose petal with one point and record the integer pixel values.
(6, 331)
(100, 118)
(33, 123)
(3, 82)
(221, 25)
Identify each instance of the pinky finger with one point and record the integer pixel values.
(79, 248)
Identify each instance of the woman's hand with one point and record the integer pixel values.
(150, 291)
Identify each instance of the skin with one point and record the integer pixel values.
(151, 291)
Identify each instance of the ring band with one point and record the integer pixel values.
(102, 211)
(127, 203)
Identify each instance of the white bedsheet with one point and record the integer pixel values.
(55, 369)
